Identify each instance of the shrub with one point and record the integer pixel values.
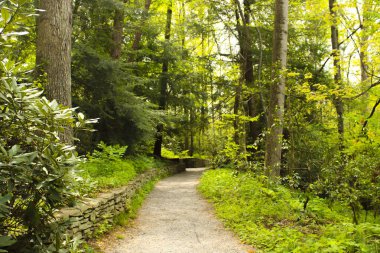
(36, 168)
(107, 168)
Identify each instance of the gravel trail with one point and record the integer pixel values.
(176, 219)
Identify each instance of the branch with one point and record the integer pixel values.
(10, 20)
(370, 116)
(364, 92)
(339, 44)
(240, 12)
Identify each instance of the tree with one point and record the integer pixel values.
(117, 35)
(246, 43)
(53, 50)
(337, 99)
(277, 92)
(164, 79)
(138, 33)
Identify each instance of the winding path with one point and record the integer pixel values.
(175, 219)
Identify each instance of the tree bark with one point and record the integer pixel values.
(192, 119)
(117, 33)
(254, 100)
(337, 100)
(53, 51)
(237, 103)
(273, 143)
(53, 57)
(138, 34)
(363, 43)
(164, 81)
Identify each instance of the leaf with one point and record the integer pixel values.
(5, 14)
(80, 116)
(14, 150)
(6, 241)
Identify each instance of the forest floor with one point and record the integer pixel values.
(175, 218)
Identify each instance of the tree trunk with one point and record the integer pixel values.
(118, 32)
(254, 100)
(236, 113)
(164, 81)
(363, 43)
(254, 107)
(337, 100)
(192, 120)
(53, 51)
(273, 143)
(138, 34)
(187, 129)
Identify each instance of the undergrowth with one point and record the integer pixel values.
(108, 168)
(272, 217)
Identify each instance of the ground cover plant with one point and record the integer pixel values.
(107, 167)
(272, 217)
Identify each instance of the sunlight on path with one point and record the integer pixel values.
(175, 219)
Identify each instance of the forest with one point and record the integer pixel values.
(282, 97)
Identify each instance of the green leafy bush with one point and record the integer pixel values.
(36, 167)
(272, 218)
(107, 168)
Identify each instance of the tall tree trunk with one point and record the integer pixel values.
(239, 88)
(254, 107)
(53, 46)
(363, 59)
(237, 103)
(363, 42)
(117, 33)
(192, 119)
(254, 101)
(187, 129)
(164, 81)
(273, 143)
(138, 33)
(337, 99)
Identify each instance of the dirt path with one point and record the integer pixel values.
(175, 219)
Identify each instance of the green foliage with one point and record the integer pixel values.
(76, 245)
(37, 170)
(272, 218)
(104, 87)
(113, 153)
(171, 154)
(107, 168)
(16, 33)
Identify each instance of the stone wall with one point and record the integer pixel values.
(87, 216)
(195, 163)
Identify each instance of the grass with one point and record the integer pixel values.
(271, 217)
